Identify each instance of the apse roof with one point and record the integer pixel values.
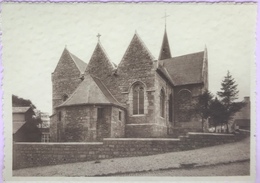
(91, 91)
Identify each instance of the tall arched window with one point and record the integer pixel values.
(184, 105)
(138, 99)
(162, 103)
(170, 108)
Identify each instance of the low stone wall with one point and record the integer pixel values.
(42, 154)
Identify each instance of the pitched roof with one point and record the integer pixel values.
(164, 71)
(244, 113)
(20, 109)
(165, 51)
(17, 126)
(79, 63)
(91, 91)
(66, 54)
(185, 69)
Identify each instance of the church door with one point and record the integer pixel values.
(102, 126)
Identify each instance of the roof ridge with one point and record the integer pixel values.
(186, 55)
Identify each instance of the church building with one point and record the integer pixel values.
(141, 97)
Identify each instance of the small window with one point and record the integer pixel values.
(65, 97)
(100, 113)
(120, 115)
(60, 116)
(162, 103)
(138, 99)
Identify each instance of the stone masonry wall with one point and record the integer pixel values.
(117, 125)
(194, 123)
(65, 79)
(137, 66)
(160, 83)
(81, 124)
(41, 154)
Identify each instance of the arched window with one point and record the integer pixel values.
(59, 116)
(184, 105)
(162, 103)
(170, 108)
(138, 99)
(65, 97)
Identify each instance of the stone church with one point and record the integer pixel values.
(141, 97)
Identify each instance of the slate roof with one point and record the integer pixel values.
(20, 109)
(17, 126)
(244, 113)
(79, 63)
(165, 51)
(185, 69)
(91, 91)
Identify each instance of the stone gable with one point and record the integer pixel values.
(136, 65)
(65, 78)
(99, 64)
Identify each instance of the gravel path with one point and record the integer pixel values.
(205, 156)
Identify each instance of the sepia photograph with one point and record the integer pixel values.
(159, 90)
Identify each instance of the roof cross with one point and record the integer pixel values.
(165, 17)
(98, 36)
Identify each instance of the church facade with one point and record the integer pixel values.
(141, 97)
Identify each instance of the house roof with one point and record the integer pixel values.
(244, 113)
(79, 63)
(20, 109)
(17, 126)
(185, 69)
(91, 91)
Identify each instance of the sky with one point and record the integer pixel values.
(34, 36)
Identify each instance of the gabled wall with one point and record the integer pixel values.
(194, 124)
(163, 123)
(65, 79)
(137, 66)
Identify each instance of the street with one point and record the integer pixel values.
(232, 169)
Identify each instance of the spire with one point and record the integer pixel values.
(165, 52)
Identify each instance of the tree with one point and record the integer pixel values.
(202, 108)
(217, 113)
(20, 102)
(228, 95)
